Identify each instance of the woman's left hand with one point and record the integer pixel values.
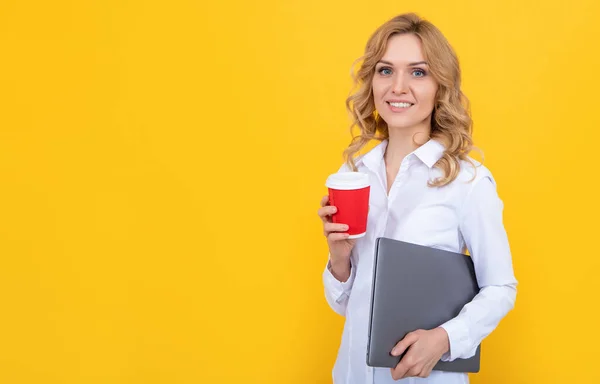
(426, 350)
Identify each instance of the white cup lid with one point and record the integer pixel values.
(348, 180)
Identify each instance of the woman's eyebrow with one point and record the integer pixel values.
(409, 64)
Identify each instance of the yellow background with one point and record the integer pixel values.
(161, 165)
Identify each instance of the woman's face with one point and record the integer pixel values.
(403, 89)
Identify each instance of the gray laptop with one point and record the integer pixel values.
(416, 287)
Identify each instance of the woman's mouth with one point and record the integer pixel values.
(399, 106)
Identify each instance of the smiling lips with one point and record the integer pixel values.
(399, 106)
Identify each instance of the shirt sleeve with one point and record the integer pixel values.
(484, 234)
(337, 292)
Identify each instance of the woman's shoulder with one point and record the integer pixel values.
(357, 162)
(372, 154)
(473, 171)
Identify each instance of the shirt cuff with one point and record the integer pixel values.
(337, 288)
(458, 337)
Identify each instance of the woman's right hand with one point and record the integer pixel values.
(340, 246)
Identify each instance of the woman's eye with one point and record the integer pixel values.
(419, 73)
(385, 71)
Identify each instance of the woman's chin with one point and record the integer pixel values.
(398, 124)
(405, 122)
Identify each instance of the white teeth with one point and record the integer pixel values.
(400, 105)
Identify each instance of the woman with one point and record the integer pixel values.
(425, 190)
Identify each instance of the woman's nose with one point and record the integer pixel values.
(399, 85)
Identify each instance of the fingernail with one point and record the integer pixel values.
(395, 352)
(345, 227)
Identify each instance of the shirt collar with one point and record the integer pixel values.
(429, 153)
(374, 157)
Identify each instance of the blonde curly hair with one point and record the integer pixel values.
(451, 123)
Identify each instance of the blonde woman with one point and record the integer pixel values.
(425, 189)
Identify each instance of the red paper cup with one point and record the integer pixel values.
(349, 193)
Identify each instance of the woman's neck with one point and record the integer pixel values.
(401, 142)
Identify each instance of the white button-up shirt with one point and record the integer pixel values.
(460, 216)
